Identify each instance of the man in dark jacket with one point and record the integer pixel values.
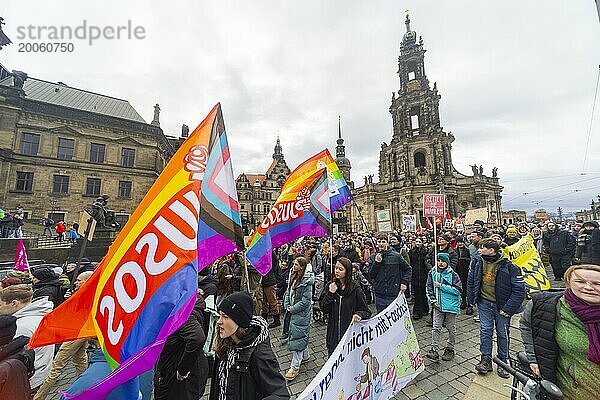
(420, 271)
(182, 369)
(46, 284)
(588, 244)
(269, 284)
(497, 287)
(560, 246)
(462, 268)
(391, 274)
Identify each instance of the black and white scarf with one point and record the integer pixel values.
(234, 353)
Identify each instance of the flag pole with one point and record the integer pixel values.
(331, 274)
(247, 276)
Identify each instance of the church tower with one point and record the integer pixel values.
(340, 154)
(278, 152)
(419, 152)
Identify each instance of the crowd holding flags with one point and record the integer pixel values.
(146, 286)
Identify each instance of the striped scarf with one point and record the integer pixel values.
(234, 353)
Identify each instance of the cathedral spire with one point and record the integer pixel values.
(339, 127)
(278, 153)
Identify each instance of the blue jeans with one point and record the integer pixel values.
(382, 303)
(488, 317)
(298, 357)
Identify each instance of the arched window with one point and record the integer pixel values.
(419, 159)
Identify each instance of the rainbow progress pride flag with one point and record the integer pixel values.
(339, 192)
(146, 286)
(301, 210)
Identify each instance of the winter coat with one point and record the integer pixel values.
(183, 353)
(54, 290)
(588, 247)
(420, 268)
(448, 294)
(99, 369)
(389, 274)
(28, 319)
(15, 366)
(300, 302)
(351, 254)
(14, 384)
(509, 285)
(340, 308)
(540, 341)
(558, 243)
(254, 373)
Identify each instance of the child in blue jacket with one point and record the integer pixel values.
(444, 293)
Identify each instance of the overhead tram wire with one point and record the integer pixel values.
(566, 194)
(550, 188)
(548, 177)
(587, 146)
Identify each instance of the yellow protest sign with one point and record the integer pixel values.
(525, 255)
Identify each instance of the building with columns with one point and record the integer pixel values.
(418, 159)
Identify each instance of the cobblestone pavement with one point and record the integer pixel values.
(444, 380)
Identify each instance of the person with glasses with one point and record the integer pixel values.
(561, 333)
(391, 274)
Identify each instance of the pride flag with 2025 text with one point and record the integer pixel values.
(146, 286)
(302, 210)
(339, 192)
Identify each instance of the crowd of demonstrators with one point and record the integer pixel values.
(11, 223)
(227, 338)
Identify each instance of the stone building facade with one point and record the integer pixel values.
(593, 214)
(418, 160)
(61, 147)
(513, 217)
(258, 192)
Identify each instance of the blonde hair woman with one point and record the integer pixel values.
(561, 333)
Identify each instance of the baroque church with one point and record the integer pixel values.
(418, 159)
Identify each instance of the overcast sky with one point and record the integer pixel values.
(517, 78)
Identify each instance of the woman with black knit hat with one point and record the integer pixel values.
(245, 366)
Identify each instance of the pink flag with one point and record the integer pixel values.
(21, 263)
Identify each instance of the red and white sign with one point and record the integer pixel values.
(433, 205)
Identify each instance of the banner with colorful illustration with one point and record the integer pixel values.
(525, 255)
(302, 210)
(374, 360)
(146, 286)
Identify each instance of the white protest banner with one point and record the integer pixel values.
(477, 213)
(374, 360)
(409, 223)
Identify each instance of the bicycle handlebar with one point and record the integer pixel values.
(520, 376)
